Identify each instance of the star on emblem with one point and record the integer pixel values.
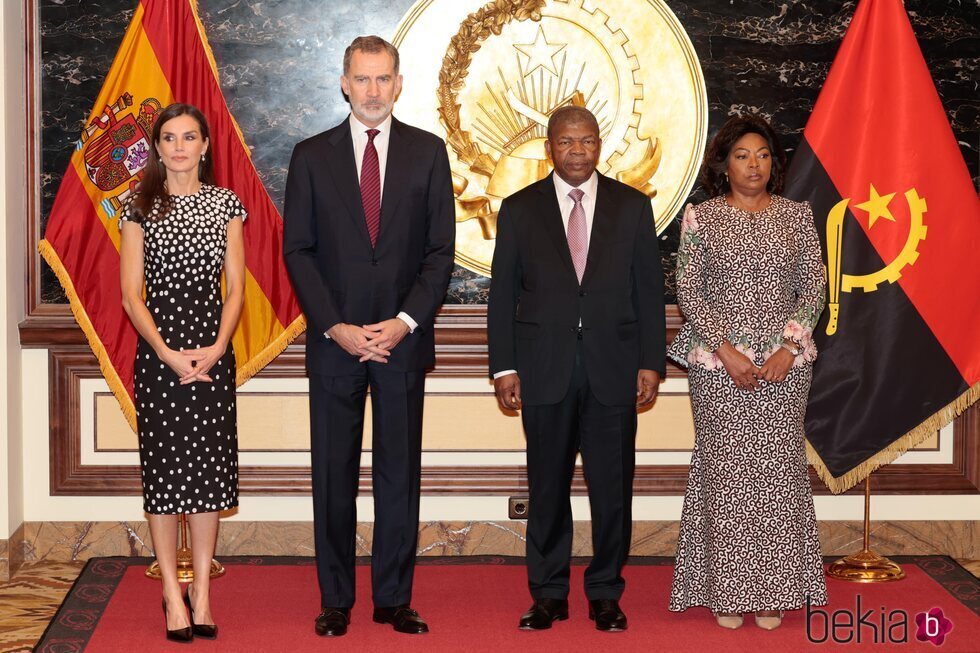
(540, 54)
(877, 207)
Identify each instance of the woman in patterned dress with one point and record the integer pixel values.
(179, 233)
(750, 284)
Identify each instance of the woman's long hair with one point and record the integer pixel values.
(152, 189)
(714, 174)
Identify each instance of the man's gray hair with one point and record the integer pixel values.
(571, 113)
(371, 45)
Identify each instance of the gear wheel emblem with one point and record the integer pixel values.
(890, 273)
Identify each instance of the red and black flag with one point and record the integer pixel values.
(900, 221)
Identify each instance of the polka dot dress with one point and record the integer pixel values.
(187, 433)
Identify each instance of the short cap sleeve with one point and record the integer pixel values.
(235, 208)
(126, 214)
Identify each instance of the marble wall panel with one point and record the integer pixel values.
(4, 560)
(68, 541)
(15, 551)
(279, 62)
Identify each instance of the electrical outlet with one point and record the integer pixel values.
(518, 507)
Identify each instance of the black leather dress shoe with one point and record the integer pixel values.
(332, 622)
(607, 615)
(543, 613)
(402, 618)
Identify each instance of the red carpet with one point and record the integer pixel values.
(475, 607)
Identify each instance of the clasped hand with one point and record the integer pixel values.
(744, 372)
(371, 342)
(192, 365)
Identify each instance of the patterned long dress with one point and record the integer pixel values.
(748, 533)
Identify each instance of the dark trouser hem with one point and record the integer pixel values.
(393, 600)
(334, 602)
(550, 594)
(599, 594)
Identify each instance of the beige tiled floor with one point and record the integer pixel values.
(30, 600)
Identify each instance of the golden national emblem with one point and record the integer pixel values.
(486, 76)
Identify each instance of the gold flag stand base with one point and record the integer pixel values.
(866, 566)
(185, 560)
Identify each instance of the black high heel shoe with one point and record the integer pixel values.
(205, 631)
(183, 635)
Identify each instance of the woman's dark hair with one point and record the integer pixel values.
(152, 185)
(714, 171)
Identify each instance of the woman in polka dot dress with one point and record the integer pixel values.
(750, 283)
(179, 233)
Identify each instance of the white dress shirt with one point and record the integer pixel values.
(358, 133)
(565, 205)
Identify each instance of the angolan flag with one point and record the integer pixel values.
(900, 221)
(164, 58)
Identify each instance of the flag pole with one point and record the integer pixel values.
(866, 566)
(185, 560)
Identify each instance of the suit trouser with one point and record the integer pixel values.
(337, 426)
(606, 437)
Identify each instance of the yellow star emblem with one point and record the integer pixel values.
(877, 207)
(540, 54)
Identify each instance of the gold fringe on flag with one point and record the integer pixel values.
(273, 349)
(887, 455)
(108, 371)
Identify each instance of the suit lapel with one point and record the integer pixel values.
(397, 167)
(343, 170)
(603, 222)
(551, 221)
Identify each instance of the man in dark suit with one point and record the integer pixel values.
(576, 335)
(369, 238)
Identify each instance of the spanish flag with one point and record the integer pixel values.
(900, 220)
(164, 58)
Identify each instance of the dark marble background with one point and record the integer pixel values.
(279, 62)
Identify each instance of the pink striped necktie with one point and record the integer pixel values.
(371, 187)
(578, 233)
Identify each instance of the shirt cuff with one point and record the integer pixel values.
(497, 375)
(407, 319)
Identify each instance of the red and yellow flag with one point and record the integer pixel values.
(900, 220)
(164, 58)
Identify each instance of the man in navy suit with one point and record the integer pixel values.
(576, 335)
(369, 245)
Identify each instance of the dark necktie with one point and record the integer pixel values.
(371, 187)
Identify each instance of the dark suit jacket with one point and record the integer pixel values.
(336, 274)
(536, 301)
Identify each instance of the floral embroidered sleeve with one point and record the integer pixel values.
(811, 287)
(691, 285)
